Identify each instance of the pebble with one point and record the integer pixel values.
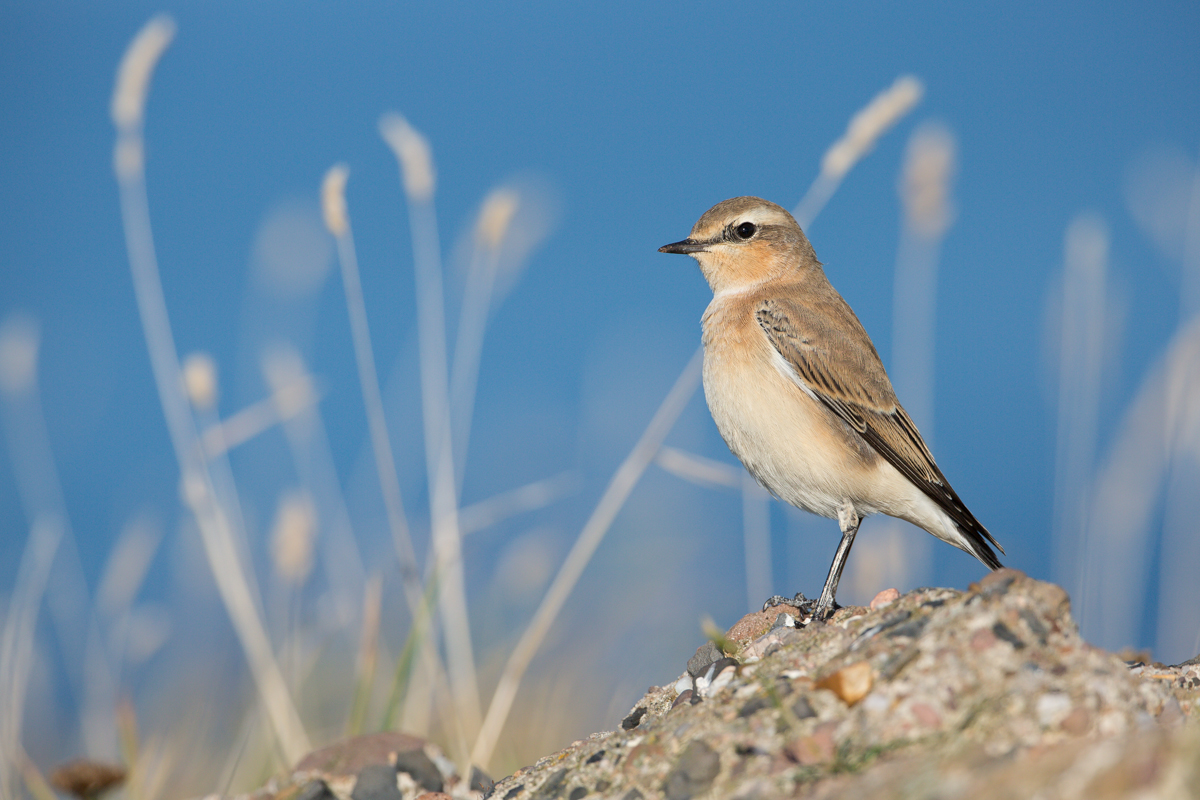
(982, 640)
(1002, 631)
(926, 715)
(420, 768)
(376, 782)
(754, 706)
(1077, 722)
(851, 683)
(803, 709)
(885, 598)
(1052, 708)
(705, 656)
(694, 773)
(815, 749)
(783, 620)
(315, 790)
(553, 785)
(634, 719)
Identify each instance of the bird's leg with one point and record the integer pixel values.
(848, 521)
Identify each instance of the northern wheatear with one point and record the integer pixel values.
(799, 393)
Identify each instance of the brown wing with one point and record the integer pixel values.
(827, 348)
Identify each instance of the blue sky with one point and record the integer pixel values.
(632, 120)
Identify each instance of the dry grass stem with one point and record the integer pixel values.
(530, 497)
(20, 339)
(1127, 489)
(416, 163)
(200, 380)
(338, 221)
(368, 655)
(490, 231)
(31, 776)
(242, 426)
(1080, 368)
(756, 536)
(304, 431)
(216, 532)
(865, 128)
(16, 642)
(699, 469)
(619, 488)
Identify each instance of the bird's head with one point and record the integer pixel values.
(745, 241)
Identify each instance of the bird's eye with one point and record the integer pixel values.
(745, 230)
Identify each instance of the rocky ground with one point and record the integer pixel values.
(988, 693)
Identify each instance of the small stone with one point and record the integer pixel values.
(634, 719)
(553, 786)
(349, 756)
(683, 684)
(803, 709)
(997, 583)
(885, 598)
(926, 715)
(754, 705)
(421, 769)
(694, 773)
(876, 705)
(1002, 632)
(982, 639)
(1035, 625)
(911, 628)
(721, 665)
(578, 793)
(514, 791)
(84, 778)
(755, 624)
(684, 698)
(759, 648)
(602, 786)
(812, 750)
(1171, 714)
(722, 674)
(1052, 708)
(633, 794)
(315, 790)
(1077, 722)
(783, 620)
(376, 782)
(899, 661)
(594, 757)
(851, 683)
(705, 656)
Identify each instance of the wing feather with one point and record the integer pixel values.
(826, 341)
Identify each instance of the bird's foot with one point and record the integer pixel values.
(808, 608)
(799, 601)
(823, 612)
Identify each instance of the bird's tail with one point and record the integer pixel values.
(975, 541)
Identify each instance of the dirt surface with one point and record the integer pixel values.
(988, 693)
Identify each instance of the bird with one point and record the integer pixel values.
(800, 395)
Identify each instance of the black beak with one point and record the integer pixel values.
(684, 247)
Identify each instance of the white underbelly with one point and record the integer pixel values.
(786, 439)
